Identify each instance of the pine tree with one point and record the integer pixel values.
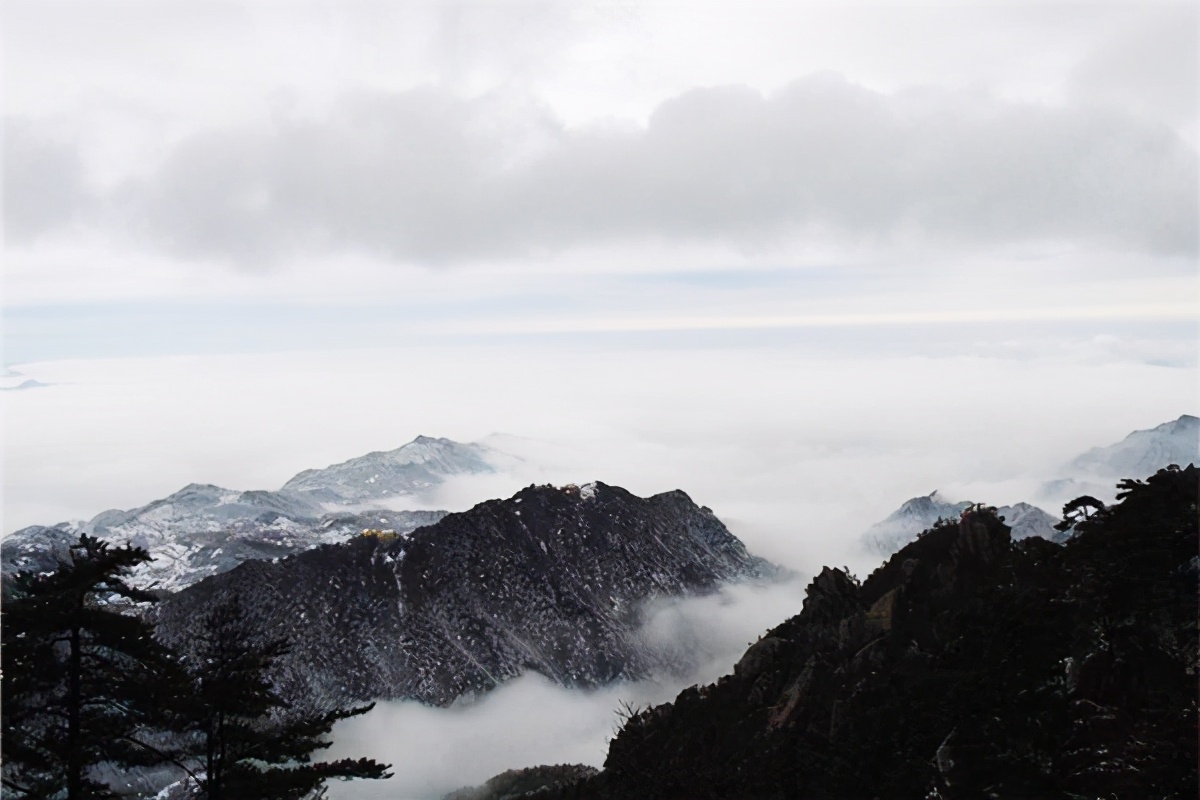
(248, 743)
(81, 679)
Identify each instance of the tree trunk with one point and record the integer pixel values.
(74, 718)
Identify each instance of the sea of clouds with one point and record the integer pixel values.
(796, 446)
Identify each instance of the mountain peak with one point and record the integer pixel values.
(410, 469)
(1184, 425)
(539, 581)
(1143, 452)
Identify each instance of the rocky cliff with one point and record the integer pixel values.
(550, 580)
(967, 666)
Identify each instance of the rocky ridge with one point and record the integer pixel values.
(967, 666)
(551, 580)
(204, 530)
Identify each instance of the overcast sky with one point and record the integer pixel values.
(445, 152)
(1013, 183)
(803, 260)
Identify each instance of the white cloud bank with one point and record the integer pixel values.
(798, 447)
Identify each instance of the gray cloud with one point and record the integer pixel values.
(43, 181)
(426, 177)
(1149, 66)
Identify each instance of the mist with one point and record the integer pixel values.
(530, 721)
(797, 447)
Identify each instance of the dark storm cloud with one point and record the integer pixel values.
(427, 177)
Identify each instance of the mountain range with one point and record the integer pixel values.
(1138, 455)
(204, 530)
(967, 666)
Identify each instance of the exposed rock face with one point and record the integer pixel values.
(550, 580)
(966, 666)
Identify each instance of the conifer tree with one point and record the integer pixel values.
(81, 680)
(247, 742)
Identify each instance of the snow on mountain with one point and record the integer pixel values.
(912, 517)
(921, 513)
(1028, 520)
(412, 469)
(204, 530)
(549, 580)
(1139, 455)
(1142, 453)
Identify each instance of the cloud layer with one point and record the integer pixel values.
(427, 177)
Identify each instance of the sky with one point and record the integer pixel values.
(803, 260)
(203, 202)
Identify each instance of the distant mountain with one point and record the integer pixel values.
(965, 667)
(1096, 472)
(203, 530)
(1142, 453)
(417, 467)
(550, 580)
(1138, 455)
(921, 513)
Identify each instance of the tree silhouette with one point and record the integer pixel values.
(1079, 510)
(246, 742)
(81, 679)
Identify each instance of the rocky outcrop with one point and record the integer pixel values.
(551, 580)
(966, 666)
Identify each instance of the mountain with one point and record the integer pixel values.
(966, 666)
(922, 513)
(203, 530)
(1142, 453)
(1138, 455)
(549, 580)
(412, 469)
(912, 517)
(1027, 520)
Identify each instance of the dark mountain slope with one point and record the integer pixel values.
(550, 580)
(966, 667)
